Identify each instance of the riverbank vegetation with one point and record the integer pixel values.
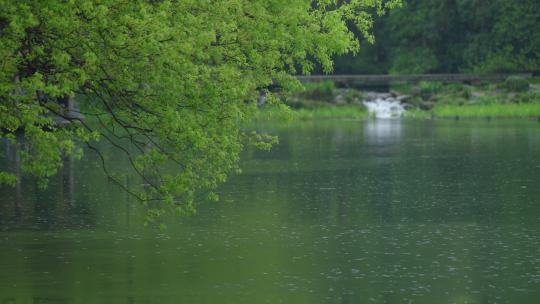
(321, 100)
(424, 36)
(516, 97)
(314, 113)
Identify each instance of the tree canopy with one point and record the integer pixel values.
(165, 83)
(449, 36)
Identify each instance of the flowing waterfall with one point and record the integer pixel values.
(384, 105)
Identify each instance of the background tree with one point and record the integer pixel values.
(165, 83)
(450, 36)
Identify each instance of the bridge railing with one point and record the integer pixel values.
(386, 79)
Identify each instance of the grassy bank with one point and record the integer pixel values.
(478, 111)
(314, 113)
(316, 101)
(489, 110)
(514, 98)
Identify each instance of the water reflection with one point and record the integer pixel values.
(340, 212)
(27, 207)
(383, 131)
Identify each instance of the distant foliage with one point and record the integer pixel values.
(426, 36)
(429, 88)
(413, 61)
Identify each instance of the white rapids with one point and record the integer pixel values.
(384, 105)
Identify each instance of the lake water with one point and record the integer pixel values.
(339, 212)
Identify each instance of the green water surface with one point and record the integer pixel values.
(339, 212)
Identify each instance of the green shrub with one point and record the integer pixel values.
(429, 88)
(402, 88)
(516, 84)
(323, 90)
(353, 95)
(301, 103)
(535, 80)
(453, 87)
(432, 86)
(527, 97)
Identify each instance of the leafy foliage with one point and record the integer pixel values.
(165, 83)
(427, 36)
